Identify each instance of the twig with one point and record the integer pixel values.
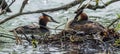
(4, 10)
(25, 36)
(64, 7)
(18, 40)
(102, 2)
(23, 5)
(10, 4)
(85, 6)
(113, 22)
(59, 26)
(80, 4)
(3, 1)
(100, 7)
(52, 28)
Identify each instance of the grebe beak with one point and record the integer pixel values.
(77, 16)
(50, 18)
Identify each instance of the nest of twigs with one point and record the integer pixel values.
(78, 42)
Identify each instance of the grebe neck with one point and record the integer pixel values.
(42, 23)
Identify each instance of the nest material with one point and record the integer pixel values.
(80, 41)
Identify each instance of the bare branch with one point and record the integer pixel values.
(64, 7)
(10, 4)
(2, 3)
(113, 22)
(8, 18)
(5, 9)
(23, 5)
(100, 7)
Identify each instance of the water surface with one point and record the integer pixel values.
(103, 16)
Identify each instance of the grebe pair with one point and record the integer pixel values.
(79, 23)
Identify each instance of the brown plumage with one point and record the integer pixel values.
(81, 23)
(32, 29)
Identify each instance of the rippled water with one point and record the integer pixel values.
(106, 16)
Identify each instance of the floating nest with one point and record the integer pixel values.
(78, 42)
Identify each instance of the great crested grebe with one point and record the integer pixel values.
(4, 4)
(32, 29)
(81, 23)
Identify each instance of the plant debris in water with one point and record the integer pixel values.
(77, 42)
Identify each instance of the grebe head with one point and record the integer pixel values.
(44, 19)
(47, 18)
(80, 16)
